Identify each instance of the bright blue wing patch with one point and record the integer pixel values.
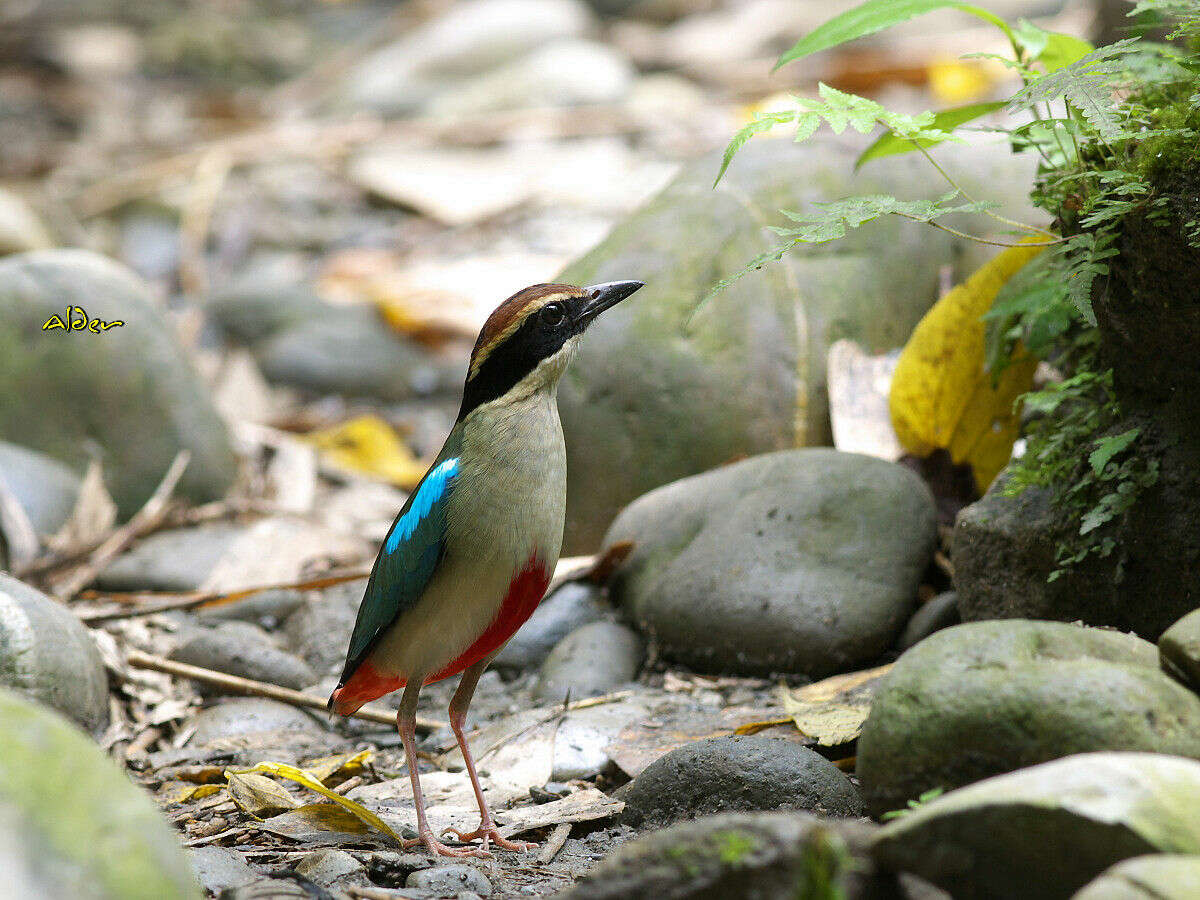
(432, 490)
(410, 555)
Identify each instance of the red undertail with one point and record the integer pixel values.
(524, 594)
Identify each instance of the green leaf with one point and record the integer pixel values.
(1108, 447)
(873, 16)
(946, 120)
(763, 122)
(1063, 50)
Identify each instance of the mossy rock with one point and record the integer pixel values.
(72, 826)
(1044, 832)
(742, 856)
(666, 385)
(128, 393)
(985, 698)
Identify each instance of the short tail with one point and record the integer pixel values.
(365, 685)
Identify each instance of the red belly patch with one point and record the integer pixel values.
(524, 594)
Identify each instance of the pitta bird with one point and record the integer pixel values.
(471, 553)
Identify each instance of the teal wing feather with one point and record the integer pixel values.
(410, 555)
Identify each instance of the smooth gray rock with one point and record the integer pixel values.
(45, 488)
(72, 825)
(466, 40)
(179, 559)
(245, 650)
(332, 868)
(565, 73)
(355, 355)
(940, 612)
(746, 773)
(129, 392)
(984, 698)
(591, 660)
(218, 868)
(48, 656)
(1160, 876)
(319, 631)
(1044, 832)
(289, 887)
(1179, 649)
(572, 606)
(670, 383)
(263, 302)
(799, 561)
(449, 880)
(238, 718)
(743, 856)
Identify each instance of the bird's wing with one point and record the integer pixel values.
(410, 555)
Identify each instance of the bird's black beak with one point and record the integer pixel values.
(599, 297)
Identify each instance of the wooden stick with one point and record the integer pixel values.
(236, 684)
(554, 843)
(151, 512)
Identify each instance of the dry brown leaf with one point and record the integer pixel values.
(91, 520)
(339, 767)
(259, 796)
(832, 712)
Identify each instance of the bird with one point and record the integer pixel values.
(471, 553)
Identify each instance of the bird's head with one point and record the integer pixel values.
(529, 339)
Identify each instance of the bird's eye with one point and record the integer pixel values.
(553, 314)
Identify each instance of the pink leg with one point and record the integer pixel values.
(406, 722)
(458, 713)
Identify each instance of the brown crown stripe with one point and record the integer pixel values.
(508, 316)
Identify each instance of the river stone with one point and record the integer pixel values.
(47, 655)
(129, 392)
(467, 39)
(1179, 649)
(178, 559)
(591, 660)
(251, 716)
(665, 386)
(1044, 832)
(44, 487)
(743, 856)
(245, 650)
(741, 773)
(263, 302)
(1159, 876)
(940, 612)
(354, 355)
(319, 630)
(573, 605)
(799, 561)
(218, 868)
(332, 868)
(448, 881)
(984, 698)
(72, 826)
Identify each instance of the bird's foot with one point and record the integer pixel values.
(437, 848)
(487, 831)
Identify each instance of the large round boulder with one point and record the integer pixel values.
(127, 392)
(670, 383)
(800, 561)
(985, 698)
(47, 655)
(72, 826)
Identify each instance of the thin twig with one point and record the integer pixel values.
(236, 684)
(977, 238)
(554, 843)
(146, 517)
(210, 175)
(147, 604)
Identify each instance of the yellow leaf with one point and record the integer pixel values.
(832, 712)
(343, 764)
(199, 792)
(258, 795)
(942, 398)
(368, 445)
(956, 81)
(291, 773)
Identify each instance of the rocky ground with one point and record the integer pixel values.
(751, 679)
